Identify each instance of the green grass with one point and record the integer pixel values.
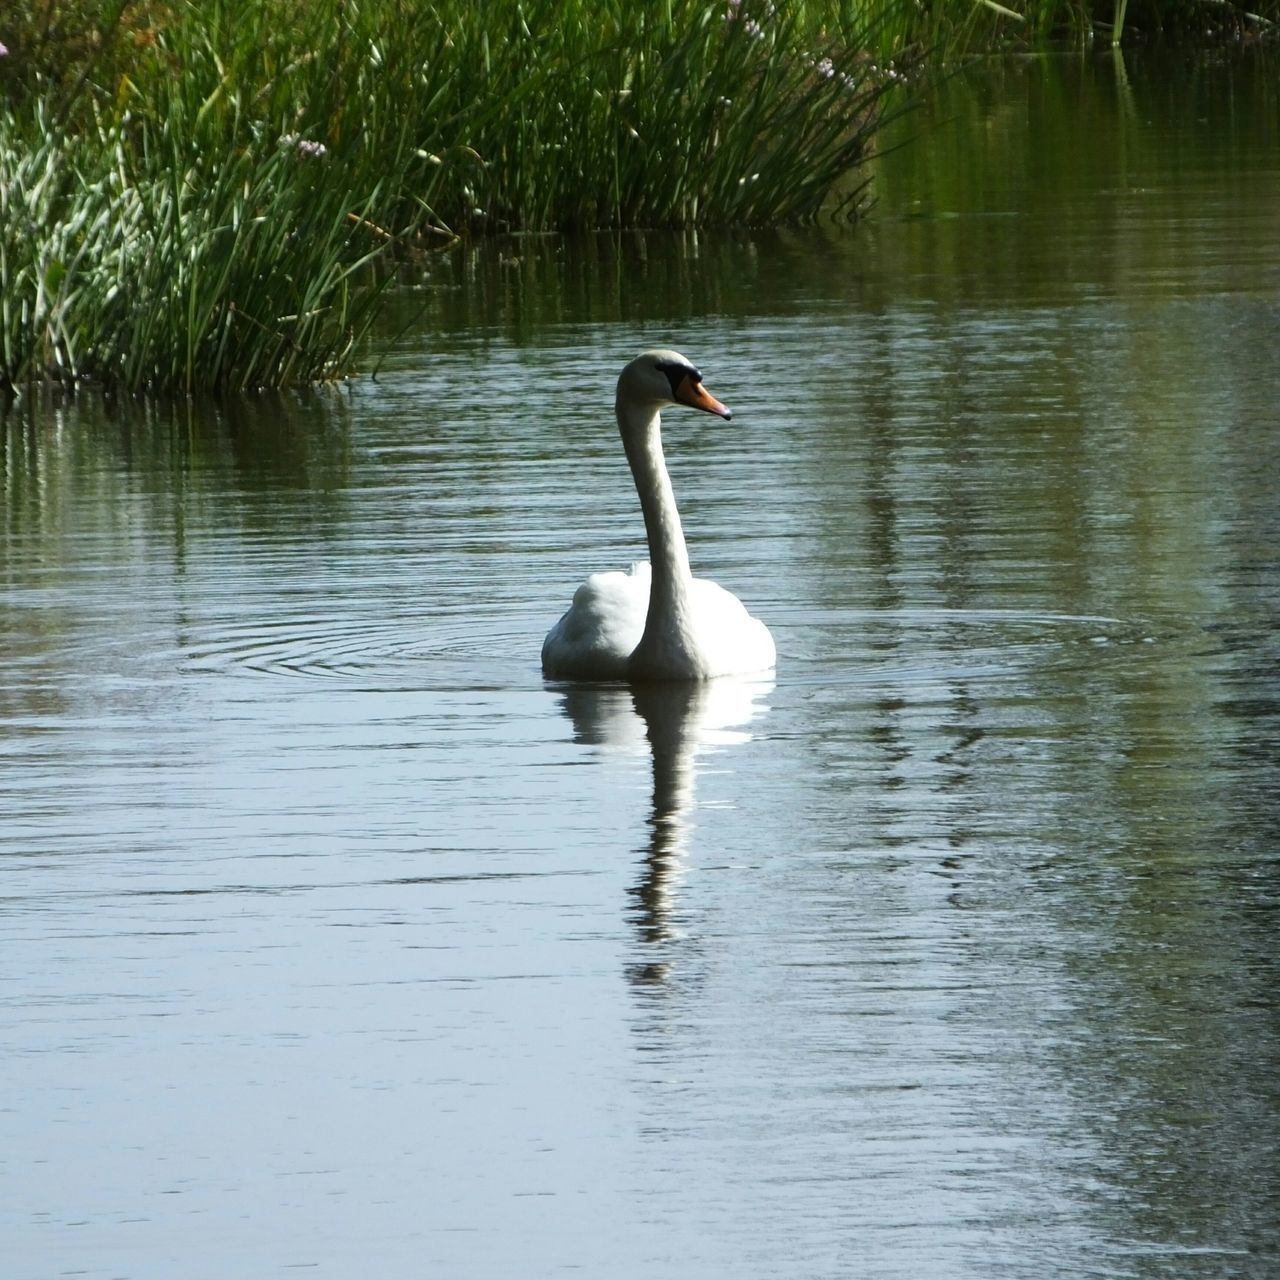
(158, 268)
(208, 194)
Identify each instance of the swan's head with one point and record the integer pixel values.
(663, 377)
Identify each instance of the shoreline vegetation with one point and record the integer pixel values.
(208, 195)
(205, 194)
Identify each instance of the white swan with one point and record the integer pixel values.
(658, 623)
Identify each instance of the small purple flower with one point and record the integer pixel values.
(4, 51)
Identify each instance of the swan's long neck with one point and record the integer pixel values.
(668, 616)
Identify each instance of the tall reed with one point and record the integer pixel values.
(209, 194)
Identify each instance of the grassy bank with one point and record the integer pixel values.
(206, 193)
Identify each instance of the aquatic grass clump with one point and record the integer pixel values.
(211, 224)
(231, 272)
(201, 197)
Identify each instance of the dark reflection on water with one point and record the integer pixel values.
(330, 932)
(677, 722)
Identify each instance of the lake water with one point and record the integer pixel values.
(335, 942)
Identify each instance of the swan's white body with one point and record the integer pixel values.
(657, 621)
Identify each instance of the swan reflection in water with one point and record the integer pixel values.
(678, 720)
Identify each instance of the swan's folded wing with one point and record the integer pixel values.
(601, 628)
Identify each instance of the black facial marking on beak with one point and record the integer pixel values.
(677, 373)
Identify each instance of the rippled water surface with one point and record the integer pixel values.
(334, 940)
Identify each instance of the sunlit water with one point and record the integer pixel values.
(335, 941)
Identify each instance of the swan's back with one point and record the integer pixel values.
(599, 637)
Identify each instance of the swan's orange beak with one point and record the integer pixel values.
(696, 396)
